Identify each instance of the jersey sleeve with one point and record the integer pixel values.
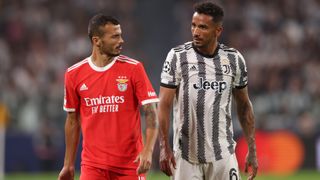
(143, 87)
(170, 77)
(241, 78)
(71, 99)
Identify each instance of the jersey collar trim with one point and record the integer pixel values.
(101, 69)
(207, 55)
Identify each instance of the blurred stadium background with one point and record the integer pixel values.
(280, 40)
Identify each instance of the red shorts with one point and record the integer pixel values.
(93, 173)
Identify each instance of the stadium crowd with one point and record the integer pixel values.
(39, 39)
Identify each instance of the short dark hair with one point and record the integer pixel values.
(98, 21)
(211, 9)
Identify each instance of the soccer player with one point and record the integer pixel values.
(103, 94)
(199, 79)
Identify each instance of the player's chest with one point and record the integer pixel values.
(106, 83)
(211, 69)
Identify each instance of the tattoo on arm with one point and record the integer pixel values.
(247, 122)
(150, 115)
(246, 117)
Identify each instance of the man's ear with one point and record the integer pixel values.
(96, 41)
(219, 30)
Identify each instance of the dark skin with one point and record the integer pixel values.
(166, 96)
(246, 118)
(105, 48)
(205, 33)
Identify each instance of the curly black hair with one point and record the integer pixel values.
(211, 9)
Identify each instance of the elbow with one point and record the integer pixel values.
(245, 113)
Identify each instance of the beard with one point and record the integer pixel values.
(198, 42)
(109, 51)
(113, 54)
(198, 45)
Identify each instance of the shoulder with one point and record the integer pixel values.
(128, 61)
(183, 47)
(129, 64)
(231, 51)
(228, 49)
(77, 66)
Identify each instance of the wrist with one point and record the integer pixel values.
(68, 165)
(164, 142)
(147, 150)
(69, 168)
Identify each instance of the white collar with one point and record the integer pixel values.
(101, 69)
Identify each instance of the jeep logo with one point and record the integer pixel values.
(214, 85)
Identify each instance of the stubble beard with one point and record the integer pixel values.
(107, 52)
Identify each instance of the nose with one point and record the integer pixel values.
(195, 31)
(121, 40)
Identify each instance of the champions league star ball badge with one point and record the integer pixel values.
(122, 84)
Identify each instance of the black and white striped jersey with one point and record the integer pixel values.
(202, 123)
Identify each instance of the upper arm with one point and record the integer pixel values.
(241, 75)
(72, 120)
(243, 104)
(170, 76)
(241, 96)
(149, 108)
(143, 87)
(150, 115)
(166, 96)
(71, 116)
(71, 98)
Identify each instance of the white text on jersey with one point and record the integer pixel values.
(103, 104)
(104, 100)
(151, 93)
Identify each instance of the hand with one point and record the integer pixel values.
(251, 161)
(67, 173)
(145, 159)
(166, 160)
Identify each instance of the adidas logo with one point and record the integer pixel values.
(193, 68)
(83, 87)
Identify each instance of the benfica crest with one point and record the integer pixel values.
(122, 84)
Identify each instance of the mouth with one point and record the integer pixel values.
(197, 40)
(119, 47)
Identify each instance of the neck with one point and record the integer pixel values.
(100, 59)
(209, 49)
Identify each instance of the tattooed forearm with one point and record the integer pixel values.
(246, 118)
(247, 121)
(150, 115)
(151, 126)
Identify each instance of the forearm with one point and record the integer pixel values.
(164, 109)
(151, 126)
(164, 119)
(247, 121)
(72, 135)
(151, 137)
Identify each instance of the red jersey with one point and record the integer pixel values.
(108, 100)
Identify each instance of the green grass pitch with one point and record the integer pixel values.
(301, 175)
